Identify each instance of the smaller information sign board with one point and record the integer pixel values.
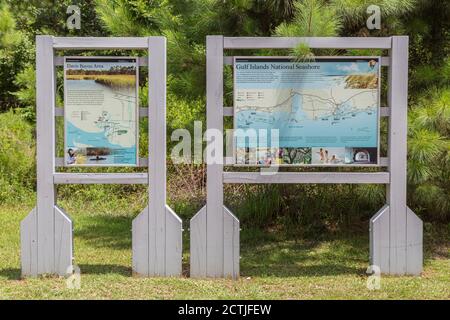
(101, 111)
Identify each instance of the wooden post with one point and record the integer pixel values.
(46, 234)
(157, 231)
(214, 229)
(214, 115)
(396, 232)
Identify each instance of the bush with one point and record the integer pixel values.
(17, 158)
(429, 155)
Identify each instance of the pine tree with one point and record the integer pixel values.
(14, 54)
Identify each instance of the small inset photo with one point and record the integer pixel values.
(75, 156)
(267, 156)
(99, 155)
(328, 156)
(361, 155)
(246, 156)
(295, 156)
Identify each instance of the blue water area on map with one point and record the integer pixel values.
(122, 155)
(358, 130)
(74, 135)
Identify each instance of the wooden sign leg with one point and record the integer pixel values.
(395, 231)
(214, 229)
(157, 231)
(46, 233)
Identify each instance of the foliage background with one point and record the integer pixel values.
(303, 209)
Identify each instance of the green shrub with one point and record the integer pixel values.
(17, 158)
(429, 155)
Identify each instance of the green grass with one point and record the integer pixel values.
(272, 267)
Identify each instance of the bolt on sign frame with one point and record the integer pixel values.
(396, 244)
(46, 233)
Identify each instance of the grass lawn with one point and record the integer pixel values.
(272, 267)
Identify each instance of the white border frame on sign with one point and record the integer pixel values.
(377, 164)
(136, 59)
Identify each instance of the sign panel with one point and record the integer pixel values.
(326, 111)
(101, 111)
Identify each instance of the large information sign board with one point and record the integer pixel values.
(101, 111)
(326, 111)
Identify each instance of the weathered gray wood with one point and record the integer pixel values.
(174, 243)
(157, 231)
(213, 235)
(307, 177)
(198, 244)
(99, 43)
(214, 113)
(45, 127)
(396, 193)
(140, 243)
(63, 239)
(101, 178)
(318, 43)
(380, 242)
(172, 250)
(231, 244)
(46, 233)
(63, 242)
(236, 247)
(396, 232)
(157, 134)
(379, 239)
(414, 248)
(28, 244)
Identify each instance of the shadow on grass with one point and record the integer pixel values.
(104, 231)
(11, 273)
(98, 269)
(263, 253)
(273, 256)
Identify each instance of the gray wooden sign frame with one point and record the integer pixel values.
(46, 233)
(396, 240)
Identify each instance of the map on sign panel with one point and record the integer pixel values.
(325, 110)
